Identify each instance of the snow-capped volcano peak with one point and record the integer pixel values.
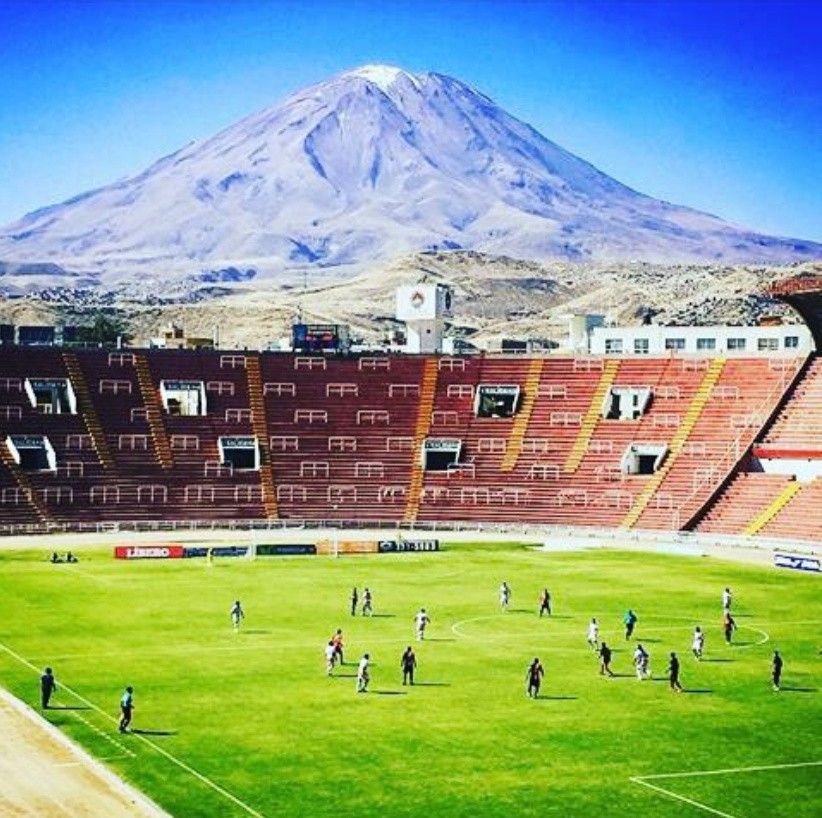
(383, 76)
(369, 165)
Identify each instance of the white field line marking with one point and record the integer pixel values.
(644, 779)
(697, 804)
(728, 771)
(173, 759)
(258, 644)
(765, 637)
(124, 750)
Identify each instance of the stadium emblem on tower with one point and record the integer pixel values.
(417, 299)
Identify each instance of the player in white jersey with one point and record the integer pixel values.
(363, 677)
(504, 596)
(237, 615)
(421, 621)
(593, 634)
(698, 643)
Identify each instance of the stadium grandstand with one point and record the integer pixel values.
(720, 444)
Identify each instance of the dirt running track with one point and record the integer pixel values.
(44, 775)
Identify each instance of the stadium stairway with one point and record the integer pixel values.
(592, 417)
(765, 516)
(259, 424)
(85, 408)
(513, 448)
(428, 390)
(153, 413)
(37, 506)
(700, 399)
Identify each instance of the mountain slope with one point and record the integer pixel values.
(374, 163)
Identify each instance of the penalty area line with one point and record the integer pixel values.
(690, 801)
(157, 749)
(644, 780)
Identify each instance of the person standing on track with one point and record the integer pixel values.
(545, 602)
(126, 708)
(355, 598)
(47, 688)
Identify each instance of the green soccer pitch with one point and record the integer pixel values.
(248, 724)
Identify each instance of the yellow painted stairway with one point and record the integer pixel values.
(426, 407)
(23, 483)
(514, 447)
(259, 423)
(767, 514)
(692, 414)
(592, 416)
(86, 410)
(154, 412)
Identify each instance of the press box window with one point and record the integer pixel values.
(240, 452)
(641, 346)
(791, 342)
(492, 401)
(643, 458)
(440, 453)
(183, 398)
(737, 344)
(613, 346)
(674, 343)
(32, 452)
(51, 396)
(703, 344)
(767, 344)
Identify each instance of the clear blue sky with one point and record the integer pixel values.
(716, 104)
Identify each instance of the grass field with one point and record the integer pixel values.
(249, 724)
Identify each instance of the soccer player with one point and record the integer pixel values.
(698, 643)
(605, 654)
(641, 660)
(421, 621)
(504, 596)
(337, 641)
(545, 602)
(126, 708)
(237, 615)
(363, 678)
(534, 676)
(673, 673)
(726, 600)
(47, 687)
(630, 620)
(728, 626)
(408, 663)
(366, 603)
(776, 670)
(593, 634)
(330, 657)
(355, 598)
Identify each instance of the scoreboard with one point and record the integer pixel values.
(331, 338)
